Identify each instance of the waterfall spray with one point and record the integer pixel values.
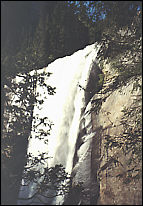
(69, 75)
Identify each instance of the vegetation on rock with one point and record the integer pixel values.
(35, 34)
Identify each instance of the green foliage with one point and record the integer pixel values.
(43, 31)
(132, 123)
(122, 48)
(33, 34)
(101, 79)
(20, 98)
(75, 194)
(49, 182)
(130, 141)
(36, 33)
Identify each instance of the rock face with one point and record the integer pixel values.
(104, 168)
(109, 171)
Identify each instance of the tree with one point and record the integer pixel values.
(21, 96)
(49, 182)
(31, 38)
(41, 30)
(122, 48)
(36, 33)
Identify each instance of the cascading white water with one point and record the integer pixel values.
(63, 108)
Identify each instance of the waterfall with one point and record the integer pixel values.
(70, 76)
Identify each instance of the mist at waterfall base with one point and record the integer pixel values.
(69, 75)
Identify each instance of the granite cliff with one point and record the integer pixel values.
(105, 160)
